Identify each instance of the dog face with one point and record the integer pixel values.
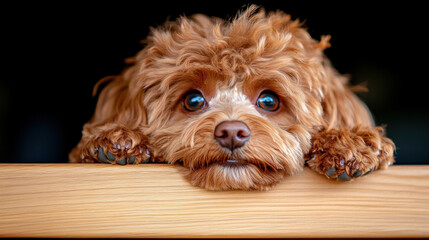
(235, 102)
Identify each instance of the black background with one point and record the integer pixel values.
(53, 55)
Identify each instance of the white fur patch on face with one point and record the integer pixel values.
(232, 102)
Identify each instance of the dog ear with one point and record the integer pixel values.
(341, 107)
(121, 101)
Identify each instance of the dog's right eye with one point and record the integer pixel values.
(269, 101)
(194, 101)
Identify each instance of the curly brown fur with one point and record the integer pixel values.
(231, 64)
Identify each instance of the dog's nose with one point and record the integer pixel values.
(232, 134)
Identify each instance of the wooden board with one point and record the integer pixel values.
(96, 200)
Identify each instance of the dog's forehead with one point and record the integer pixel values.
(229, 96)
(232, 101)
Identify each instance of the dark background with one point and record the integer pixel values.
(55, 54)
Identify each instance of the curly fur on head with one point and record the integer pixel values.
(230, 63)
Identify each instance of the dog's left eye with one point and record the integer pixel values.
(269, 101)
(194, 101)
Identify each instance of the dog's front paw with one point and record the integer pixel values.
(117, 145)
(349, 153)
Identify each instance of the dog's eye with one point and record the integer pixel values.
(268, 100)
(194, 101)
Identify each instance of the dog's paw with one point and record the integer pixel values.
(122, 157)
(349, 153)
(117, 145)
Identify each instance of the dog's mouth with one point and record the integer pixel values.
(233, 162)
(239, 163)
(226, 163)
(234, 174)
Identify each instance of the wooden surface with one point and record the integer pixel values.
(95, 200)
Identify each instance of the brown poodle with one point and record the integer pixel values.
(239, 104)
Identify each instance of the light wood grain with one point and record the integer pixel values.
(95, 200)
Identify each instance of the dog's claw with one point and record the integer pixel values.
(131, 160)
(331, 172)
(111, 156)
(343, 177)
(356, 174)
(370, 171)
(122, 161)
(101, 155)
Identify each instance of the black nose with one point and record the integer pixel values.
(232, 134)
